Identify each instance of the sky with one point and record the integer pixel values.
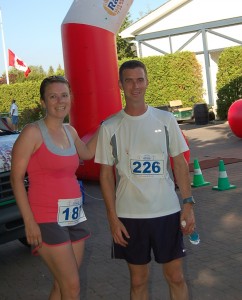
(32, 29)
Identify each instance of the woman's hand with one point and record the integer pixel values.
(33, 233)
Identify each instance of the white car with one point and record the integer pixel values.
(11, 223)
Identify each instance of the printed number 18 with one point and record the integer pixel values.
(74, 211)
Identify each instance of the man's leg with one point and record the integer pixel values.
(13, 125)
(139, 275)
(173, 273)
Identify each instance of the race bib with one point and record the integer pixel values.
(70, 212)
(147, 165)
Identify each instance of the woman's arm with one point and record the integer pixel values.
(87, 150)
(25, 145)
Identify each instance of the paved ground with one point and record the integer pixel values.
(213, 268)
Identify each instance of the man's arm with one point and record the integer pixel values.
(107, 182)
(182, 175)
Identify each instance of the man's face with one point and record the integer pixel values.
(134, 84)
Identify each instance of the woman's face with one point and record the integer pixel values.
(57, 100)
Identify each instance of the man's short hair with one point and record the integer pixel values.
(131, 64)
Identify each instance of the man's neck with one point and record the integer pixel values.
(133, 110)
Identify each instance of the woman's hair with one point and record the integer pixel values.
(131, 64)
(52, 79)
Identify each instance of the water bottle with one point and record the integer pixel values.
(193, 237)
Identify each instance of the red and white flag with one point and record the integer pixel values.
(14, 61)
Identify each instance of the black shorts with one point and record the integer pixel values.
(53, 234)
(161, 235)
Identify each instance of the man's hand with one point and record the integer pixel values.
(119, 232)
(187, 219)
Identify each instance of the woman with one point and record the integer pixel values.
(55, 223)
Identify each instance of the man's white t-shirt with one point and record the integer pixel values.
(137, 146)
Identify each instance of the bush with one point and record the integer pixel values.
(173, 77)
(29, 115)
(229, 79)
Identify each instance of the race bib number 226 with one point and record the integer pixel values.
(147, 167)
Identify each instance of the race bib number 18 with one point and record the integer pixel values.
(70, 212)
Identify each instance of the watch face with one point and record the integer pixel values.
(189, 200)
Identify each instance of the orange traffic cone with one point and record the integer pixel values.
(223, 181)
(198, 177)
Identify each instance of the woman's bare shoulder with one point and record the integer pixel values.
(31, 134)
(31, 128)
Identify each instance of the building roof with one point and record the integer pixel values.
(182, 13)
(152, 17)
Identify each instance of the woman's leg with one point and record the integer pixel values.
(64, 262)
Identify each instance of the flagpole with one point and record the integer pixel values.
(4, 50)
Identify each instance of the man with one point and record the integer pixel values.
(142, 206)
(14, 115)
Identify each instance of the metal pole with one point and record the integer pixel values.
(4, 51)
(207, 66)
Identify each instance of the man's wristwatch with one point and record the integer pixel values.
(189, 200)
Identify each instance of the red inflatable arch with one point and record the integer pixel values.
(90, 59)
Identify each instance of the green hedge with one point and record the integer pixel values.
(26, 95)
(171, 77)
(229, 79)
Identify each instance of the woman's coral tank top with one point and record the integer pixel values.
(51, 171)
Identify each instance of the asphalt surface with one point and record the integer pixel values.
(213, 268)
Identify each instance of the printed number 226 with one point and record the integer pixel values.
(146, 167)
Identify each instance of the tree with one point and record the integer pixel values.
(60, 71)
(16, 76)
(37, 73)
(124, 47)
(51, 71)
